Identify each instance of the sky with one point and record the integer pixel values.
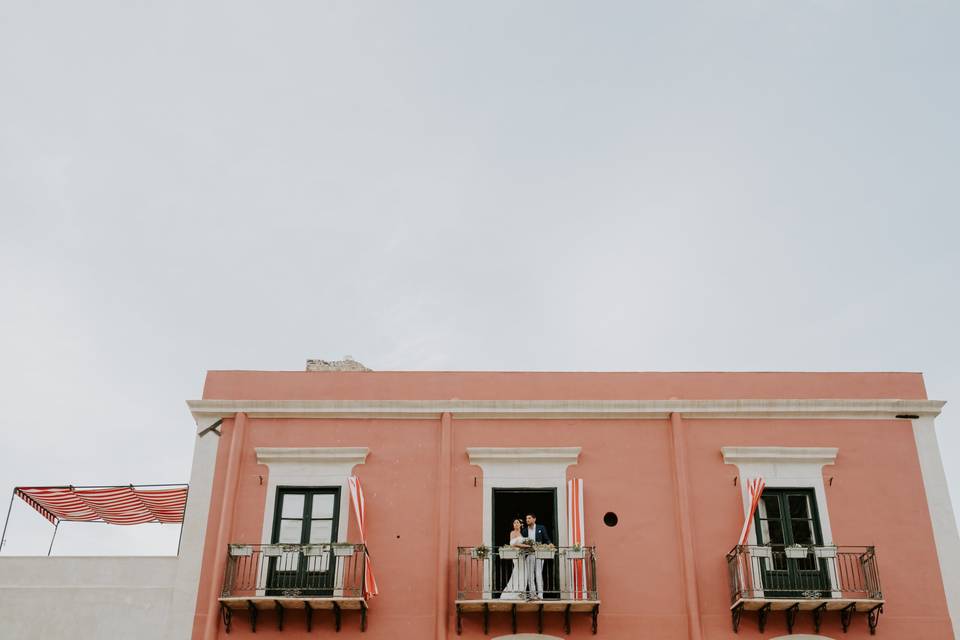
(188, 186)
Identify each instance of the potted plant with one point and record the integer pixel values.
(312, 550)
(239, 550)
(544, 551)
(343, 549)
(828, 551)
(272, 550)
(796, 551)
(576, 552)
(479, 553)
(508, 552)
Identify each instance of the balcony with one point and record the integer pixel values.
(805, 578)
(306, 577)
(484, 583)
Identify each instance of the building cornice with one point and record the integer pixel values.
(560, 409)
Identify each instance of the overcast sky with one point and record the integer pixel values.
(499, 185)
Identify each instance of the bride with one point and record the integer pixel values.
(516, 586)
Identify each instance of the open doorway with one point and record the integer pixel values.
(510, 504)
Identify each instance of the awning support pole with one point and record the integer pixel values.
(3, 536)
(55, 527)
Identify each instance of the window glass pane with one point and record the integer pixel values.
(799, 506)
(290, 531)
(292, 505)
(320, 531)
(323, 505)
(776, 532)
(769, 506)
(802, 532)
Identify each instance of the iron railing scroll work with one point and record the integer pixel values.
(541, 579)
(814, 578)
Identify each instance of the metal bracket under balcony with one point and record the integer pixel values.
(814, 579)
(504, 581)
(280, 578)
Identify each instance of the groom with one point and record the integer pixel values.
(538, 533)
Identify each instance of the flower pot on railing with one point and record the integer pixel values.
(241, 550)
(479, 553)
(796, 552)
(343, 550)
(825, 552)
(761, 552)
(544, 552)
(313, 550)
(509, 553)
(272, 550)
(574, 553)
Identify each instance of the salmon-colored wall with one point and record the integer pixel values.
(515, 385)
(877, 498)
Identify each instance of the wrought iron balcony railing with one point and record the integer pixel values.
(809, 578)
(562, 579)
(278, 577)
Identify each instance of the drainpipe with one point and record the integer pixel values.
(443, 520)
(686, 527)
(230, 484)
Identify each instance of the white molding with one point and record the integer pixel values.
(310, 467)
(526, 468)
(313, 455)
(523, 455)
(941, 515)
(785, 468)
(558, 409)
(780, 455)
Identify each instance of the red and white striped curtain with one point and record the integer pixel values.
(754, 491)
(360, 510)
(575, 536)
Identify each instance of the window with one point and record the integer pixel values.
(787, 517)
(304, 515)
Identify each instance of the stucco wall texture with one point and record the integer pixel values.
(875, 496)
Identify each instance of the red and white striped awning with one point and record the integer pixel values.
(113, 505)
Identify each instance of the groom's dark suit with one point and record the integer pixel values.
(535, 566)
(540, 534)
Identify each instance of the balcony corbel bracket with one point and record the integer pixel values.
(596, 613)
(279, 609)
(818, 616)
(459, 621)
(486, 618)
(254, 612)
(762, 617)
(846, 615)
(735, 614)
(792, 616)
(363, 617)
(873, 618)
(309, 613)
(227, 615)
(566, 620)
(513, 619)
(540, 619)
(336, 616)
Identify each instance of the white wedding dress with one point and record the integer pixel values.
(516, 587)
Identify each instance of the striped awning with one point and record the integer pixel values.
(114, 505)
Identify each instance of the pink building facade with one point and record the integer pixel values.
(853, 534)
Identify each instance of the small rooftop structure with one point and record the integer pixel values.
(347, 364)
